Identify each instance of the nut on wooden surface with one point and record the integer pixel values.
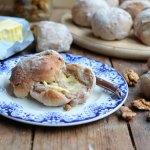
(126, 113)
(145, 84)
(131, 77)
(141, 104)
(148, 117)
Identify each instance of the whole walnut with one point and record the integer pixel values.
(145, 84)
(148, 63)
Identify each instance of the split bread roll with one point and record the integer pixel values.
(45, 66)
(142, 26)
(53, 83)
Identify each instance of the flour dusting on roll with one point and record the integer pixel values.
(142, 26)
(111, 24)
(83, 11)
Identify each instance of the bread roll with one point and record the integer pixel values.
(83, 11)
(113, 3)
(133, 7)
(121, 1)
(45, 66)
(111, 24)
(148, 63)
(52, 35)
(145, 84)
(48, 80)
(76, 85)
(142, 26)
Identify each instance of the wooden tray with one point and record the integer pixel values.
(130, 48)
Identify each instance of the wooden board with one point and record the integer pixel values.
(129, 48)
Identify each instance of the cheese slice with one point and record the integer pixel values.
(11, 31)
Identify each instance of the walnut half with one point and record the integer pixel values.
(67, 107)
(126, 113)
(131, 77)
(141, 104)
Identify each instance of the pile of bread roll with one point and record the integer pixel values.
(114, 19)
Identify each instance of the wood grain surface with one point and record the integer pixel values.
(110, 133)
(140, 128)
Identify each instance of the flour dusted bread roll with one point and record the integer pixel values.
(83, 11)
(133, 7)
(121, 1)
(48, 80)
(52, 35)
(112, 3)
(142, 26)
(111, 24)
(45, 66)
(145, 84)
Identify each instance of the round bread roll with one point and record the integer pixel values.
(111, 24)
(48, 80)
(148, 63)
(121, 1)
(135, 6)
(52, 35)
(113, 3)
(83, 11)
(142, 26)
(145, 84)
(45, 66)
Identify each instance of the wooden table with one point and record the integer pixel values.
(111, 133)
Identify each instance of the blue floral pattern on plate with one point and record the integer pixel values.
(103, 104)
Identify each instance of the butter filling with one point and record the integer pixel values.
(67, 84)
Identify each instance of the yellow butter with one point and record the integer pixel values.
(11, 31)
(71, 83)
(55, 87)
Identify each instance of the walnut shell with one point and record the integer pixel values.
(148, 63)
(145, 84)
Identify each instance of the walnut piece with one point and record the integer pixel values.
(126, 113)
(148, 117)
(67, 107)
(131, 77)
(73, 103)
(141, 104)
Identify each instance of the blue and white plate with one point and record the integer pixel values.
(99, 105)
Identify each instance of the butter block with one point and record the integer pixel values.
(11, 31)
